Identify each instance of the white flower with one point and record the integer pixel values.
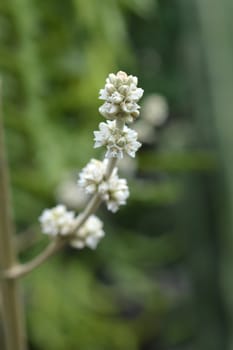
(57, 221)
(92, 175)
(114, 191)
(121, 95)
(117, 141)
(155, 109)
(89, 234)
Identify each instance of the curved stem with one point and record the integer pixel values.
(23, 269)
(20, 270)
(91, 208)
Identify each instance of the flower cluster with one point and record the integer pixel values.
(114, 191)
(92, 175)
(89, 234)
(100, 178)
(58, 221)
(116, 140)
(121, 95)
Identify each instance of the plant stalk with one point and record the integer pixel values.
(21, 270)
(12, 309)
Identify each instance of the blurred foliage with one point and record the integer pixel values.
(143, 287)
(54, 59)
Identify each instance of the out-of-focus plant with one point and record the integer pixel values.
(53, 57)
(99, 179)
(154, 114)
(143, 253)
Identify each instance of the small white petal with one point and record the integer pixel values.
(76, 243)
(57, 221)
(117, 141)
(120, 95)
(89, 234)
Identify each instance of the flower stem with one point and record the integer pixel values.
(21, 270)
(12, 309)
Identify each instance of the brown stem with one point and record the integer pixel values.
(20, 270)
(12, 309)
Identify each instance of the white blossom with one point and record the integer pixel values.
(117, 141)
(57, 221)
(121, 95)
(114, 191)
(92, 175)
(89, 234)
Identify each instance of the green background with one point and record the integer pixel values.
(162, 277)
